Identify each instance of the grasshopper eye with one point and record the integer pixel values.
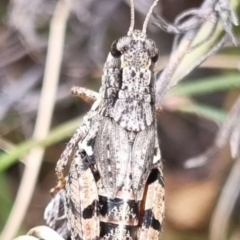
(152, 50)
(123, 44)
(155, 58)
(114, 51)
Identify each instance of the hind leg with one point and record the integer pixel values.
(55, 214)
(82, 199)
(153, 214)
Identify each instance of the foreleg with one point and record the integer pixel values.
(81, 132)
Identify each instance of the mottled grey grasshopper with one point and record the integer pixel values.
(115, 189)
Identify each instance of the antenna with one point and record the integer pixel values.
(132, 16)
(144, 29)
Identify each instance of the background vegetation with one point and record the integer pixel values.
(68, 46)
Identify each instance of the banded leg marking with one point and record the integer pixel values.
(119, 218)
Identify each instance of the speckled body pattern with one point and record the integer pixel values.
(115, 188)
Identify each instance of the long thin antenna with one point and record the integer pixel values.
(144, 29)
(132, 16)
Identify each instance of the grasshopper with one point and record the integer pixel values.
(115, 188)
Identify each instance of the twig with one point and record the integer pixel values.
(202, 39)
(44, 116)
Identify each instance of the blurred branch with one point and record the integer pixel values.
(44, 116)
(219, 61)
(23, 17)
(5, 145)
(235, 132)
(30, 104)
(222, 61)
(201, 33)
(206, 85)
(206, 111)
(59, 133)
(6, 198)
(11, 49)
(29, 79)
(221, 216)
(221, 139)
